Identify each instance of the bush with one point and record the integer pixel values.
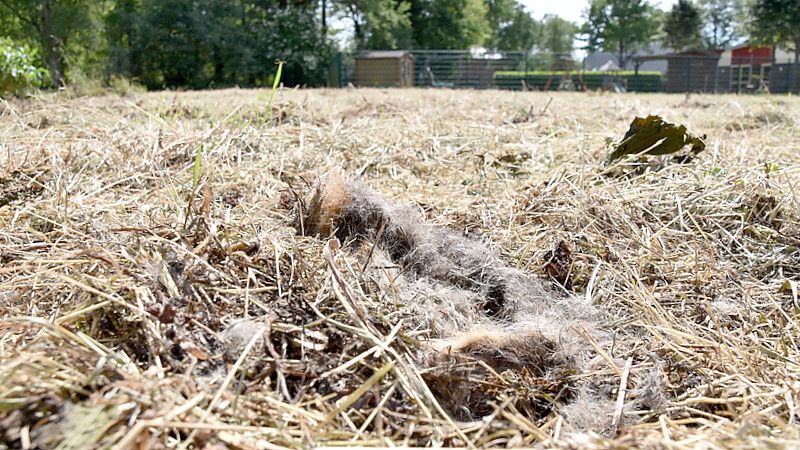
(18, 73)
(550, 80)
(123, 86)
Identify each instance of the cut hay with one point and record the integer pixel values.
(472, 280)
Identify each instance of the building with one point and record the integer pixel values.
(747, 68)
(383, 68)
(689, 71)
(595, 61)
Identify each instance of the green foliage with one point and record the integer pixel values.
(512, 27)
(643, 82)
(18, 71)
(682, 26)
(719, 22)
(621, 26)
(449, 24)
(440, 24)
(558, 35)
(389, 26)
(206, 43)
(123, 86)
(66, 33)
(378, 24)
(777, 22)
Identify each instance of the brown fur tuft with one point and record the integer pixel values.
(324, 209)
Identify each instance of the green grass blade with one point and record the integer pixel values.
(198, 161)
(275, 84)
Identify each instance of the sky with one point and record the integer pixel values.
(571, 10)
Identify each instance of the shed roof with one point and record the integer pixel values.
(378, 54)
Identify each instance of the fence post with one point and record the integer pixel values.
(716, 78)
(335, 71)
(340, 67)
(527, 54)
(466, 68)
(787, 83)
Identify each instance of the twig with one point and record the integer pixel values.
(623, 387)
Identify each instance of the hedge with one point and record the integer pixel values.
(643, 82)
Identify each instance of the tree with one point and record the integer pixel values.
(205, 43)
(682, 26)
(719, 15)
(378, 24)
(555, 44)
(449, 24)
(621, 26)
(53, 24)
(512, 26)
(777, 22)
(558, 35)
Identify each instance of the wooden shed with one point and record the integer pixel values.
(384, 68)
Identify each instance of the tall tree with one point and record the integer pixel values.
(558, 35)
(777, 22)
(719, 30)
(512, 26)
(378, 24)
(621, 26)
(682, 26)
(449, 24)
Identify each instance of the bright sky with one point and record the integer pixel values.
(571, 10)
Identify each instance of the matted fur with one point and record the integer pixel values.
(484, 315)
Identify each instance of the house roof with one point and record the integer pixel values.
(593, 61)
(609, 66)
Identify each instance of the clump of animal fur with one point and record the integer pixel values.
(357, 215)
(485, 317)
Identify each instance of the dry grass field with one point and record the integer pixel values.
(151, 298)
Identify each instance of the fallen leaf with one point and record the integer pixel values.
(653, 136)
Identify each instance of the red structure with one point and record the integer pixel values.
(754, 56)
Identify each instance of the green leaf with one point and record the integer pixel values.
(198, 160)
(275, 84)
(771, 167)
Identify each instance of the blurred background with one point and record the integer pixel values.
(618, 45)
